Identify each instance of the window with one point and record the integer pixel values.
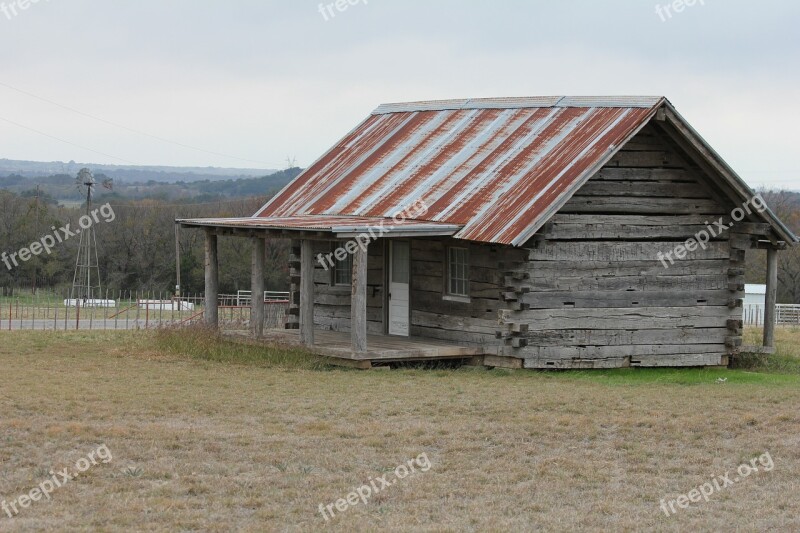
(457, 272)
(400, 261)
(342, 272)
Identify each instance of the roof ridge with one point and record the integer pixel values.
(521, 102)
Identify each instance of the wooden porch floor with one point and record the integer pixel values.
(380, 348)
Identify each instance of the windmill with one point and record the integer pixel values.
(86, 281)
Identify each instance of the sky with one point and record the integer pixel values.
(255, 83)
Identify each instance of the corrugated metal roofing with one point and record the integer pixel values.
(521, 103)
(494, 166)
(336, 224)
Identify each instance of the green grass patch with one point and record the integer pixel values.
(199, 342)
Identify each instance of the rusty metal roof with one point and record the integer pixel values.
(521, 103)
(340, 225)
(496, 167)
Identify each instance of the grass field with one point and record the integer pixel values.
(210, 436)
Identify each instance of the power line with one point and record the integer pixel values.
(17, 124)
(129, 129)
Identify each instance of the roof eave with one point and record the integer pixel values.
(434, 230)
(340, 232)
(740, 186)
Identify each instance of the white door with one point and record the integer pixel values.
(399, 271)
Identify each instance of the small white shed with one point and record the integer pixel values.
(755, 296)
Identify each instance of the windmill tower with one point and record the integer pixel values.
(86, 281)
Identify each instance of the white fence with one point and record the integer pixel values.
(243, 298)
(785, 314)
(166, 305)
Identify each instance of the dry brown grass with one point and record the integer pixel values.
(225, 446)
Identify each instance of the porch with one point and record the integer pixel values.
(337, 346)
(350, 287)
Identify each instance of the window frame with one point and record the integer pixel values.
(449, 280)
(337, 269)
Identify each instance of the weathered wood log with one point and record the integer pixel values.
(455, 323)
(502, 362)
(634, 351)
(679, 175)
(630, 283)
(629, 227)
(616, 298)
(771, 298)
(211, 309)
(736, 303)
(642, 205)
(651, 158)
(257, 287)
(307, 293)
(760, 229)
(635, 189)
(624, 251)
(620, 318)
(622, 337)
(481, 339)
(359, 302)
(549, 269)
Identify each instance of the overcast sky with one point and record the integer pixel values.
(260, 80)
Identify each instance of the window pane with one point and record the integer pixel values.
(342, 274)
(400, 260)
(457, 272)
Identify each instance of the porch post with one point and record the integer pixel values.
(210, 310)
(771, 298)
(257, 287)
(358, 301)
(306, 293)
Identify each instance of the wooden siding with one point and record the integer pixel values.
(593, 294)
(332, 303)
(474, 322)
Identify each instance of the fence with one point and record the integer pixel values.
(785, 314)
(245, 297)
(49, 310)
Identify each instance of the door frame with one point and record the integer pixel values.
(387, 267)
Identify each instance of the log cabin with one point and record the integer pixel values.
(541, 232)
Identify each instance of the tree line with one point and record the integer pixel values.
(137, 250)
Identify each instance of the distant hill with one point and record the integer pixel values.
(61, 188)
(128, 173)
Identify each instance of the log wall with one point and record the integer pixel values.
(593, 293)
(472, 322)
(332, 303)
